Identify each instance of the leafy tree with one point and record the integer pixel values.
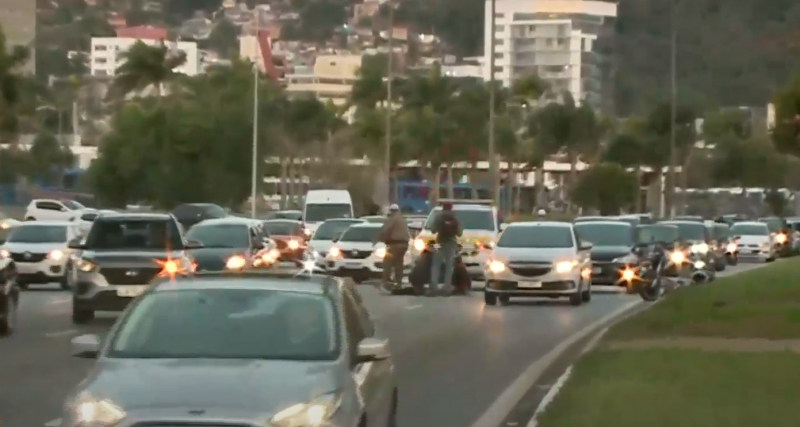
(786, 133)
(607, 188)
(224, 38)
(146, 66)
(13, 164)
(48, 159)
(11, 59)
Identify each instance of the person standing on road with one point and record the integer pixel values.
(395, 235)
(447, 230)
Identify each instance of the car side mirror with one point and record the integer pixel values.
(586, 246)
(86, 346)
(193, 244)
(76, 244)
(372, 349)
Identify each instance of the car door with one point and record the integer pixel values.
(373, 379)
(49, 210)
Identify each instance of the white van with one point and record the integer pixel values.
(321, 205)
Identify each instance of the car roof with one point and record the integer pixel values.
(274, 220)
(681, 221)
(607, 222)
(46, 223)
(135, 216)
(367, 225)
(352, 220)
(467, 207)
(750, 223)
(558, 224)
(249, 279)
(228, 220)
(657, 224)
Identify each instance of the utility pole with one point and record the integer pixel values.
(254, 183)
(492, 95)
(673, 155)
(387, 160)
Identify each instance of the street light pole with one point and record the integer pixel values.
(254, 183)
(388, 111)
(492, 95)
(673, 155)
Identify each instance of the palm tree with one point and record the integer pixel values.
(147, 66)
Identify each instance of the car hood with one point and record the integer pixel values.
(321, 246)
(754, 240)
(355, 246)
(262, 386)
(534, 254)
(128, 259)
(34, 247)
(468, 237)
(609, 253)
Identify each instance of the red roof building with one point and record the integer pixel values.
(143, 32)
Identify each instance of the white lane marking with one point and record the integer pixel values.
(60, 301)
(414, 307)
(53, 423)
(596, 339)
(551, 394)
(506, 401)
(61, 333)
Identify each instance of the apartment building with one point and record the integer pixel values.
(568, 43)
(331, 79)
(106, 55)
(18, 21)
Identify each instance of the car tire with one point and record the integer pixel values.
(586, 296)
(64, 281)
(576, 299)
(9, 322)
(392, 421)
(490, 298)
(81, 316)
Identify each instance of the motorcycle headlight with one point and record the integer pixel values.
(380, 253)
(310, 414)
(700, 248)
(236, 262)
(565, 266)
(732, 247)
(98, 412)
(86, 266)
(781, 238)
(699, 265)
(496, 266)
(419, 245)
(677, 257)
(627, 259)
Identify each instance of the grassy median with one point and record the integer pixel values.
(726, 354)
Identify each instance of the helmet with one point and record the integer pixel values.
(541, 212)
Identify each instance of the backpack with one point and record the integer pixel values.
(449, 227)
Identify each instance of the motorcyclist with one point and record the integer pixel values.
(447, 229)
(395, 235)
(541, 214)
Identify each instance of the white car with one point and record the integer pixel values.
(755, 241)
(40, 253)
(85, 221)
(539, 259)
(54, 210)
(481, 228)
(322, 240)
(354, 254)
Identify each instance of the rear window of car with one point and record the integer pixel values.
(537, 236)
(134, 233)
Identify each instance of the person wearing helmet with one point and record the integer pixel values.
(395, 235)
(541, 213)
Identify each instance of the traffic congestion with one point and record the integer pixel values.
(317, 317)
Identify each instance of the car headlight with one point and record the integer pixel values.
(699, 265)
(419, 245)
(307, 232)
(700, 248)
(55, 255)
(677, 257)
(236, 262)
(627, 259)
(5, 225)
(732, 247)
(4, 253)
(781, 238)
(98, 413)
(293, 244)
(312, 414)
(335, 252)
(565, 266)
(86, 266)
(496, 266)
(380, 253)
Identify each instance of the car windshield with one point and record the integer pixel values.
(72, 205)
(656, 233)
(282, 228)
(133, 234)
(30, 233)
(773, 224)
(330, 230)
(199, 211)
(324, 211)
(229, 324)
(360, 234)
(220, 235)
(721, 231)
(741, 229)
(690, 230)
(537, 236)
(479, 219)
(293, 215)
(605, 234)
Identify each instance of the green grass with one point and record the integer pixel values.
(761, 303)
(679, 388)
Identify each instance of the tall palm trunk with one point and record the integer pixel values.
(450, 190)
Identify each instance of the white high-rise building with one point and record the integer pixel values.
(106, 55)
(568, 43)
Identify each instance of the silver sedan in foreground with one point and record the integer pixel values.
(243, 349)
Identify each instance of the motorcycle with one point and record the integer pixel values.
(702, 272)
(648, 281)
(421, 273)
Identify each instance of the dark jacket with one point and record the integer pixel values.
(438, 225)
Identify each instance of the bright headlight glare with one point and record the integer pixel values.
(380, 253)
(497, 266)
(4, 253)
(419, 245)
(565, 266)
(235, 262)
(628, 274)
(677, 257)
(56, 255)
(732, 247)
(335, 252)
(100, 413)
(699, 265)
(293, 244)
(780, 238)
(5, 225)
(700, 248)
(311, 414)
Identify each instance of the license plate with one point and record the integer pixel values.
(597, 270)
(756, 251)
(352, 265)
(529, 285)
(131, 291)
